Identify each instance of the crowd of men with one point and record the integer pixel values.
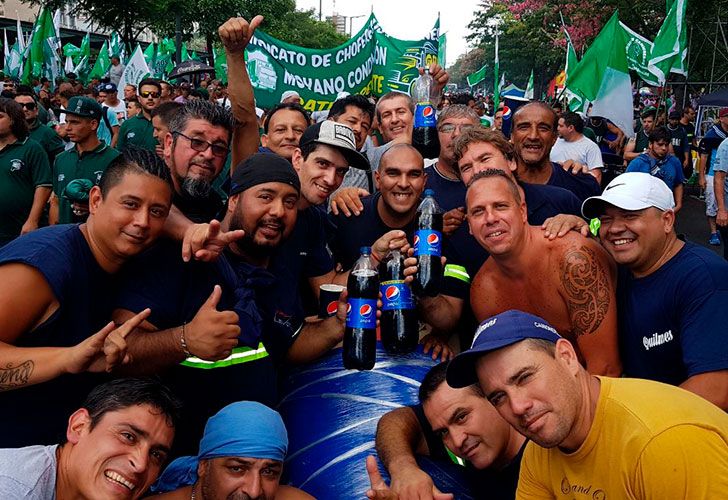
(160, 262)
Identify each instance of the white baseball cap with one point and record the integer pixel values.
(289, 93)
(631, 191)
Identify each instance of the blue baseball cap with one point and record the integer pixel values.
(502, 330)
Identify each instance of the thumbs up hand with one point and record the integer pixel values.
(212, 334)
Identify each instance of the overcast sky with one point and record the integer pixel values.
(407, 20)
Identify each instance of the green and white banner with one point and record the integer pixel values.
(371, 63)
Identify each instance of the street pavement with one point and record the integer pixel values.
(691, 220)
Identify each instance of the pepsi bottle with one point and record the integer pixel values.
(424, 135)
(428, 247)
(398, 324)
(360, 334)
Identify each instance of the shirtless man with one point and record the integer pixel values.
(525, 269)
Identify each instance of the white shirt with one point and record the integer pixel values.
(583, 150)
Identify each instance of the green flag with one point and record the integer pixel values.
(43, 58)
(670, 48)
(639, 49)
(496, 82)
(529, 87)
(602, 76)
(116, 46)
(221, 69)
(441, 51)
(83, 65)
(101, 66)
(13, 58)
(477, 77)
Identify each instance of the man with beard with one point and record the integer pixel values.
(241, 457)
(87, 160)
(569, 280)
(592, 436)
(219, 330)
(534, 134)
(138, 131)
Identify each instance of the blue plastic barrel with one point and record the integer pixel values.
(331, 415)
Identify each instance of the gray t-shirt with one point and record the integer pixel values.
(28, 473)
(583, 150)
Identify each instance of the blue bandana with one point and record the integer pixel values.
(243, 429)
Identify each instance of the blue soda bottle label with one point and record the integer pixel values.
(361, 313)
(427, 242)
(396, 295)
(425, 116)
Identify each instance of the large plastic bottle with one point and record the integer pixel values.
(428, 246)
(360, 335)
(424, 136)
(398, 324)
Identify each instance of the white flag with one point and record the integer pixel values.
(136, 69)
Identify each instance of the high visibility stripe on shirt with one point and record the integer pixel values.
(457, 272)
(238, 356)
(455, 459)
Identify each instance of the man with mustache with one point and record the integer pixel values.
(283, 128)
(534, 134)
(590, 436)
(220, 329)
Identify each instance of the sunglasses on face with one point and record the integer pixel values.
(30, 106)
(201, 146)
(150, 95)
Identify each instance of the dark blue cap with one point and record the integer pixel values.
(429, 192)
(365, 250)
(499, 331)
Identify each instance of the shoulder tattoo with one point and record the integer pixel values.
(587, 289)
(12, 377)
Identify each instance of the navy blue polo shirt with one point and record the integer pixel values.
(672, 322)
(582, 185)
(449, 193)
(38, 414)
(270, 318)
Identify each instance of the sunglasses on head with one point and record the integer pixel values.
(148, 93)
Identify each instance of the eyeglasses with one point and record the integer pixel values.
(147, 94)
(449, 128)
(30, 106)
(202, 146)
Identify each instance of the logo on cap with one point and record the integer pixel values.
(344, 133)
(391, 293)
(482, 328)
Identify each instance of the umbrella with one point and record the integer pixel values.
(189, 68)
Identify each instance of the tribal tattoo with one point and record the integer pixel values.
(587, 290)
(12, 377)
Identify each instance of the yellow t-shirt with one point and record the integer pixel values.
(648, 441)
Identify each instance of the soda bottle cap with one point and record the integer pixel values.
(429, 192)
(365, 250)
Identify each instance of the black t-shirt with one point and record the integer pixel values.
(200, 210)
(680, 142)
(357, 231)
(449, 193)
(269, 315)
(487, 483)
(38, 414)
(582, 185)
